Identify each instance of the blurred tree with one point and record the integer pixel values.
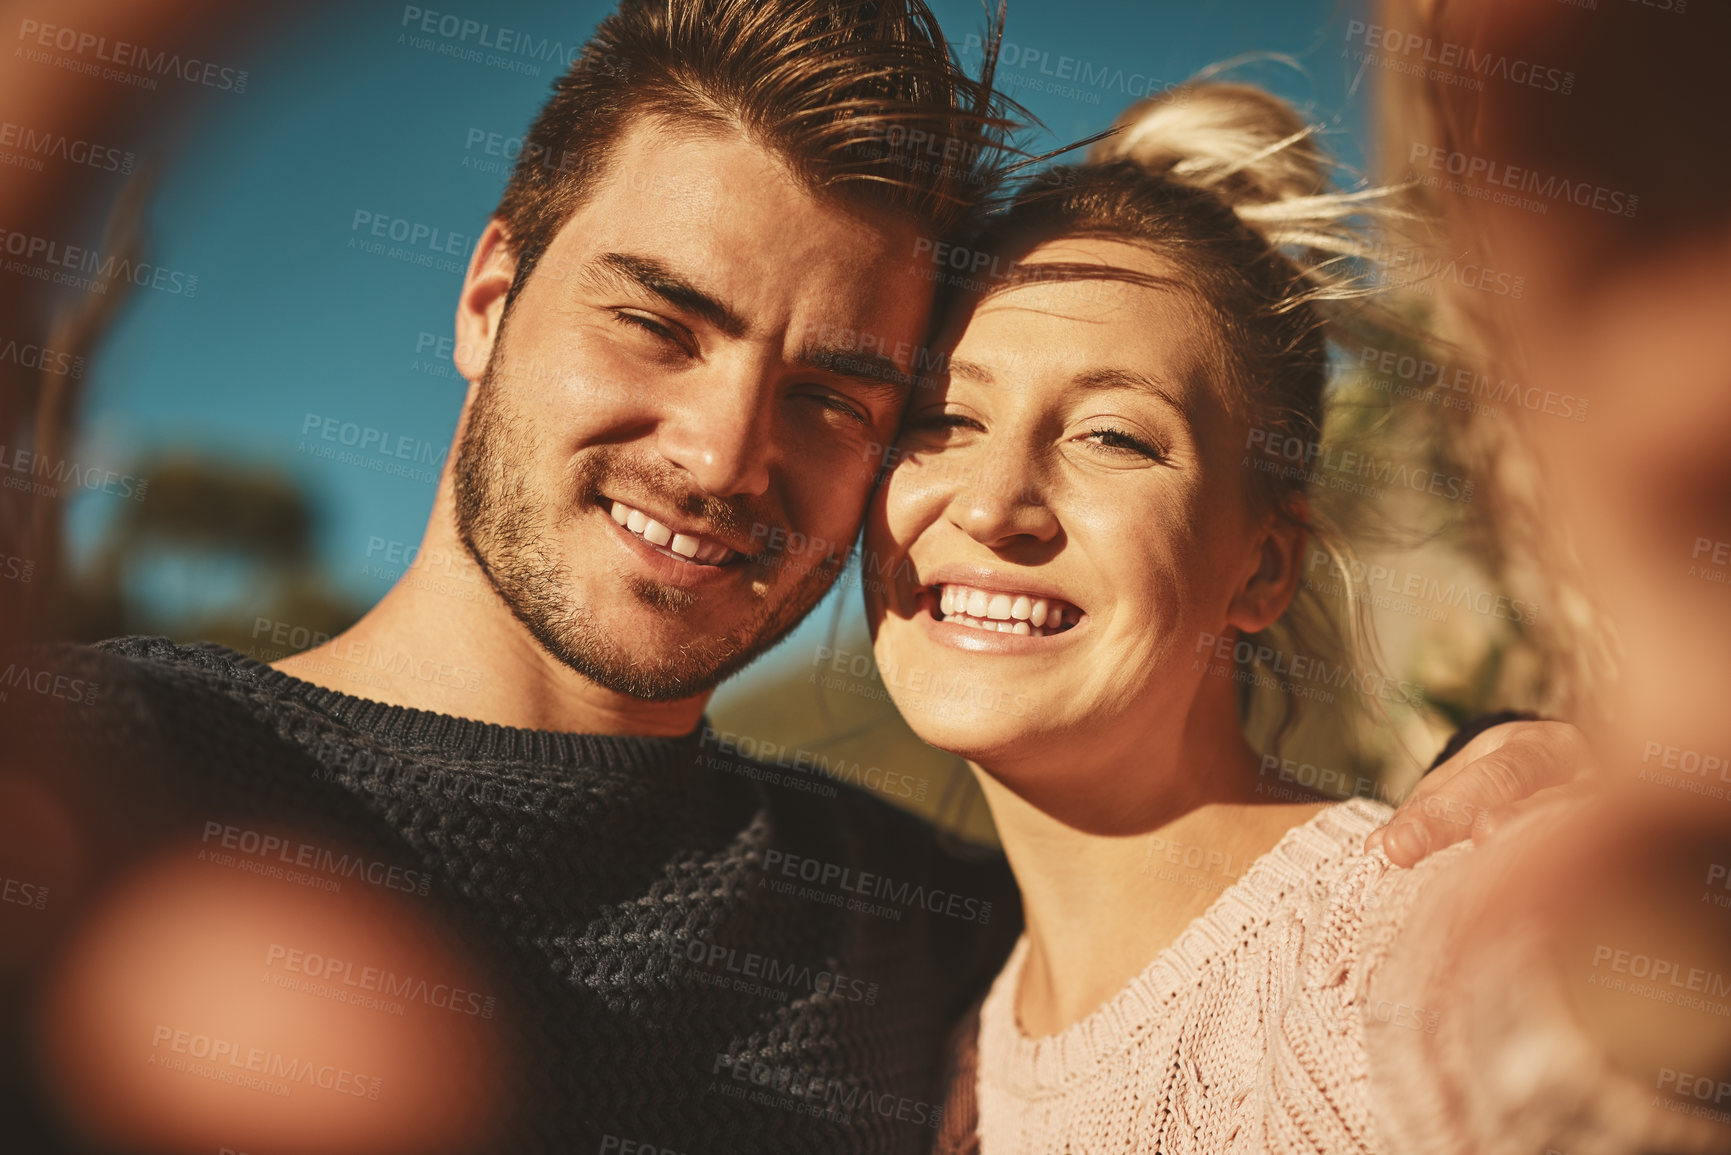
(197, 510)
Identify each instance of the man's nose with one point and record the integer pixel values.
(722, 431)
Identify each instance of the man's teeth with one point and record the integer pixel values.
(1005, 613)
(653, 532)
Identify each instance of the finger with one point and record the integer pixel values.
(1409, 829)
(1414, 839)
(1446, 814)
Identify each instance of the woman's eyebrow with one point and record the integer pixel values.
(971, 371)
(1091, 380)
(1117, 378)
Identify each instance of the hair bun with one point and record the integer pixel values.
(1259, 157)
(1242, 144)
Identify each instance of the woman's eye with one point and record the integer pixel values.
(1118, 441)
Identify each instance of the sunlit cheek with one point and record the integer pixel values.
(916, 499)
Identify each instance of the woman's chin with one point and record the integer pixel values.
(969, 703)
(979, 728)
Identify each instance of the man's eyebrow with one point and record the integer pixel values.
(653, 275)
(873, 370)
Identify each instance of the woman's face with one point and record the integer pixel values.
(1067, 530)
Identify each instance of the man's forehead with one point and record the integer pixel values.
(770, 255)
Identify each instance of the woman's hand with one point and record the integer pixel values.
(1506, 772)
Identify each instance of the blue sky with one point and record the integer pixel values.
(297, 331)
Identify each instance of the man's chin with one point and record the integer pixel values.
(656, 655)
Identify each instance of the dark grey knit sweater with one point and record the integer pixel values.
(687, 948)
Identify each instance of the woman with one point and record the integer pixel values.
(1088, 533)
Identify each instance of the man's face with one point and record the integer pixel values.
(667, 458)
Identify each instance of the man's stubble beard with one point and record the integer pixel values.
(509, 531)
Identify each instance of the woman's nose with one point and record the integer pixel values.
(1002, 502)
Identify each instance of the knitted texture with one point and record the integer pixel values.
(1320, 1005)
(583, 871)
(1243, 1035)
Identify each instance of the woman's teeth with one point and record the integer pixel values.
(692, 548)
(1005, 613)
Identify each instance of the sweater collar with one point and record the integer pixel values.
(407, 728)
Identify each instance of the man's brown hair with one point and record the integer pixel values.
(862, 98)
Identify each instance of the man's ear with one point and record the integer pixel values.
(481, 303)
(1270, 587)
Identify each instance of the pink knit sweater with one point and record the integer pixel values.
(1258, 1028)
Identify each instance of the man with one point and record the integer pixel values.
(688, 330)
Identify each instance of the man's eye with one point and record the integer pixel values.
(942, 422)
(847, 409)
(653, 326)
(835, 403)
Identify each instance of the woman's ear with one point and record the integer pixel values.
(481, 303)
(1271, 586)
